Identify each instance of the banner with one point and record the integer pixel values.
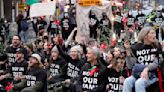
(42, 9)
(82, 18)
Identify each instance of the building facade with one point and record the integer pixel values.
(6, 9)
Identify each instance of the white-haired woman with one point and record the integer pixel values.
(74, 63)
(145, 52)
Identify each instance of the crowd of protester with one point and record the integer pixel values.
(55, 62)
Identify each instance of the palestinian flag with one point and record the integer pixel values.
(93, 70)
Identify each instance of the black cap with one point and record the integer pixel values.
(19, 50)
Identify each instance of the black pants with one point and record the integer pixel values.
(65, 34)
(93, 33)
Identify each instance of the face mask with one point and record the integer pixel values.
(158, 14)
(139, 12)
(130, 13)
(93, 16)
(163, 14)
(104, 16)
(66, 15)
(45, 37)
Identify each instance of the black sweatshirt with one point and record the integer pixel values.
(11, 52)
(73, 66)
(91, 83)
(18, 69)
(37, 75)
(113, 83)
(57, 69)
(146, 55)
(36, 79)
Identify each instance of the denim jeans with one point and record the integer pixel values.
(139, 84)
(24, 36)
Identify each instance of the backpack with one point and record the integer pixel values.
(24, 25)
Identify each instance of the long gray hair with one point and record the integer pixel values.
(143, 33)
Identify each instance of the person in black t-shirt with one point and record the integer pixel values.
(11, 50)
(105, 26)
(146, 62)
(65, 26)
(74, 64)
(36, 78)
(141, 19)
(19, 68)
(93, 24)
(116, 75)
(92, 76)
(56, 67)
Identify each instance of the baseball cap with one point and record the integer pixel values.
(19, 50)
(37, 56)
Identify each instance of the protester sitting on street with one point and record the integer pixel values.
(92, 76)
(11, 50)
(35, 80)
(145, 53)
(116, 75)
(74, 63)
(19, 68)
(57, 66)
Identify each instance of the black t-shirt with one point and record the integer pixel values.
(131, 21)
(113, 84)
(18, 69)
(37, 74)
(93, 23)
(157, 21)
(73, 66)
(141, 18)
(105, 22)
(11, 52)
(144, 53)
(65, 24)
(92, 78)
(56, 67)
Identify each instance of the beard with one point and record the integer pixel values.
(19, 59)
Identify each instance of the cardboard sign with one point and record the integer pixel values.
(118, 19)
(130, 21)
(141, 20)
(42, 9)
